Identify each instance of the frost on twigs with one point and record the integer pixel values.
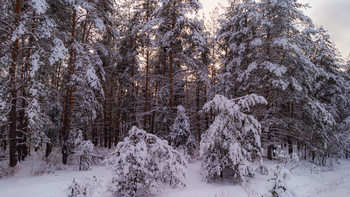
(142, 163)
(232, 142)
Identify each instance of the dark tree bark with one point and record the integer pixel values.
(70, 99)
(13, 111)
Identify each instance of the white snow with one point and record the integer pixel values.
(40, 6)
(58, 52)
(303, 183)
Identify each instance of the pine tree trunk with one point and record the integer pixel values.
(110, 119)
(13, 111)
(198, 115)
(105, 120)
(23, 120)
(69, 101)
(117, 122)
(290, 145)
(12, 131)
(270, 147)
(206, 114)
(146, 90)
(171, 58)
(21, 148)
(48, 149)
(290, 142)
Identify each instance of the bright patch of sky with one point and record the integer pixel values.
(333, 15)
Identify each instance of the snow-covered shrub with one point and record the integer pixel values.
(4, 169)
(279, 153)
(89, 187)
(42, 169)
(315, 170)
(278, 183)
(223, 194)
(285, 157)
(84, 149)
(143, 162)
(180, 136)
(232, 142)
(294, 158)
(76, 190)
(262, 170)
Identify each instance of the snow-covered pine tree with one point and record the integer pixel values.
(232, 142)
(182, 51)
(173, 29)
(270, 56)
(84, 71)
(142, 163)
(180, 136)
(237, 37)
(144, 10)
(128, 63)
(83, 148)
(106, 45)
(332, 90)
(26, 41)
(288, 83)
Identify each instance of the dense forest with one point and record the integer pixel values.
(92, 69)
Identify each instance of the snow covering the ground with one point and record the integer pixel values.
(305, 182)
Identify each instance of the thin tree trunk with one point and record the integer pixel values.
(105, 120)
(110, 119)
(146, 90)
(270, 147)
(198, 115)
(290, 142)
(117, 122)
(171, 58)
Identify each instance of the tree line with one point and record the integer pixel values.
(101, 67)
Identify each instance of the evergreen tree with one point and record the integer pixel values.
(142, 162)
(332, 90)
(278, 183)
(180, 136)
(182, 50)
(84, 73)
(27, 39)
(268, 51)
(232, 143)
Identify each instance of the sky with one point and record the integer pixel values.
(333, 15)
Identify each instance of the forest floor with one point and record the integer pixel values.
(35, 178)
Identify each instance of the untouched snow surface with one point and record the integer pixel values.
(324, 183)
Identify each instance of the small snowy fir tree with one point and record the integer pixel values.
(142, 163)
(279, 153)
(279, 187)
(3, 169)
(232, 142)
(84, 149)
(76, 190)
(180, 136)
(88, 187)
